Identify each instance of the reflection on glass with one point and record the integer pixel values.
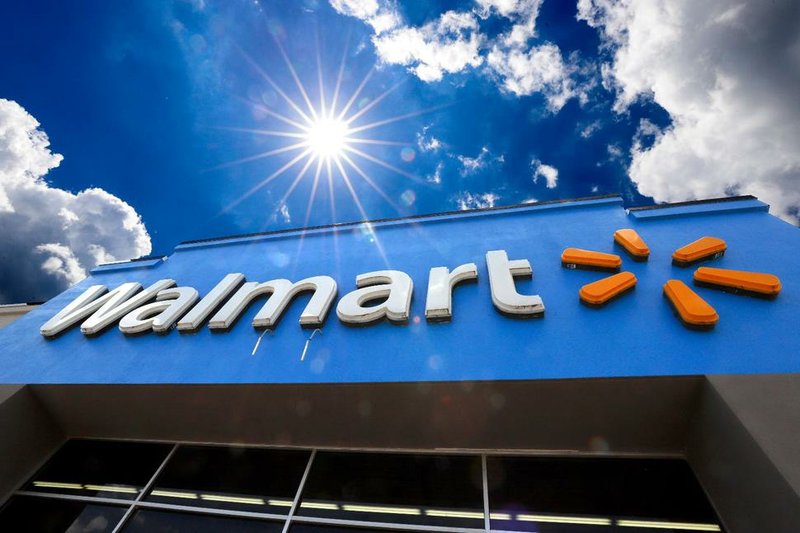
(399, 488)
(581, 495)
(308, 528)
(100, 468)
(249, 479)
(146, 521)
(42, 515)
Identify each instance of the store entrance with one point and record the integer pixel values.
(130, 486)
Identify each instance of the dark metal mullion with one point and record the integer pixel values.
(153, 505)
(139, 502)
(485, 478)
(250, 514)
(388, 526)
(298, 495)
(213, 511)
(76, 498)
(144, 490)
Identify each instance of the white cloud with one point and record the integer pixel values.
(285, 214)
(505, 8)
(466, 200)
(382, 17)
(362, 9)
(590, 129)
(522, 12)
(454, 43)
(647, 133)
(281, 213)
(447, 45)
(549, 173)
(471, 165)
(436, 177)
(61, 262)
(49, 237)
(729, 77)
(523, 69)
(614, 152)
(539, 69)
(428, 143)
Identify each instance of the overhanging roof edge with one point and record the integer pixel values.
(732, 203)
(699, 207)
(609, 199)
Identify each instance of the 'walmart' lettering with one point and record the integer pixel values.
(162, 305)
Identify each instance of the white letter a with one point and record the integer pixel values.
(394, 286)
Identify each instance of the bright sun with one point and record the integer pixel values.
(327, 137)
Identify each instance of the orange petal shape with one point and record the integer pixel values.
(632, 243)
(577, 258)
(756, 283)
(600, 292)
(692, 310)
(702, 248)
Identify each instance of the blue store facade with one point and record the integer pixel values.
(326, 380)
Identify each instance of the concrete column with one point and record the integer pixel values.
(28, 435)
(744, 446)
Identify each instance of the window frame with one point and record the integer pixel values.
(140, 502)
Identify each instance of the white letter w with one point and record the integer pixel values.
(104, 310)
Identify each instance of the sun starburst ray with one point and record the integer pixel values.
(293, 186)
(384, 164)
(277, 88)
(339, 76)
(332, 197)
(358, 140)
(361, 210)
(309, 205)
(270, 133)
(371, 183)
(267, 111)
(262, 155)
(397, 118)
(373, 103)
(313, 193)
(266, 180)
(297, 81)
(331, 193)
(323, 111)
(355, 94)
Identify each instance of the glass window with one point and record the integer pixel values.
(100, 468)
(148, 521)
(208, 487)
(400, 488)
(308, 528)
(228, 477)
(32, 514)
(587, 495)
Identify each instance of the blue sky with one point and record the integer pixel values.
(154, 103)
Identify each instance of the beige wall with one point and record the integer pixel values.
(9, 313)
